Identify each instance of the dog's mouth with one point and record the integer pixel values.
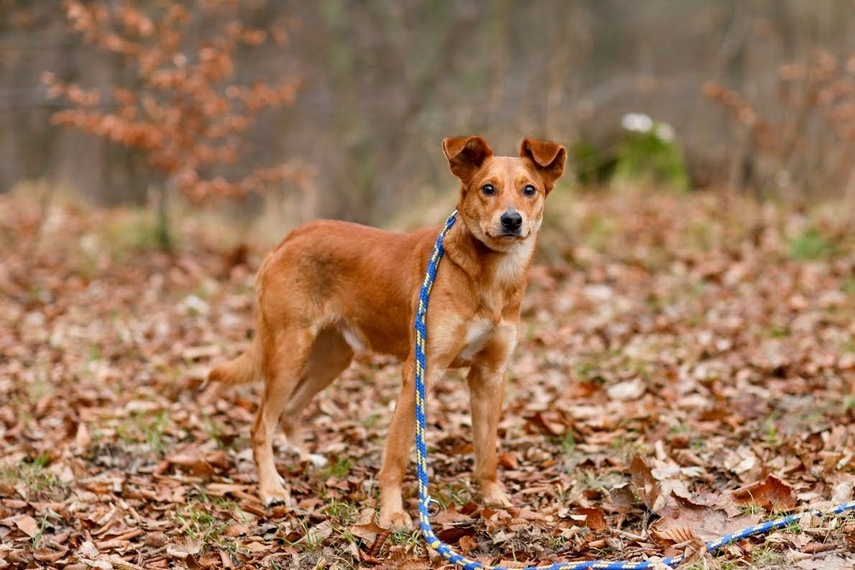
(506, 235)
(495, 236)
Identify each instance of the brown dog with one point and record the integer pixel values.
(332, 288)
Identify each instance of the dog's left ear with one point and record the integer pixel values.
(547, 156)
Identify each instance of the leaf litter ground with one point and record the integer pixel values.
(686, 368)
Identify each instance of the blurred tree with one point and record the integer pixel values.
(177, 102)
(384, 82)
(811, 146)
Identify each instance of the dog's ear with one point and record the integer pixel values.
(466, 155)
(547, 156)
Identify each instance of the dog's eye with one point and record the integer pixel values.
(488, 190)
(529, 190)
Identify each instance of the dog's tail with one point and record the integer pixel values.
(241, 370)
(245, 368)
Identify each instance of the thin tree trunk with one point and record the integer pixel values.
(163, 231)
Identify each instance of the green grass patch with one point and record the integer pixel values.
(343, 512)
(810, 245)
(749, 509)
(590, 372)
(371, 421)
(32, 479)
(40, 386)
(405, 537)
(338, 469)
(454, 494)
(779, 331)
(145, 428)
(203, 527)
(646, 158)
(772, 438)
(568, 443)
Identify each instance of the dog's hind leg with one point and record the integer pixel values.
(330, 355)
(285, 358)
(397, 452)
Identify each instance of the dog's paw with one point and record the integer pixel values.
(494, 494)
(397, 520)
(275, 496)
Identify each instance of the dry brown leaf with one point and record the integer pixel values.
(626, 391)
(509, 460)
(548, 422)
(675, 534)
(27, 525)
(235, 530)
(707, 523)
(49, 555)
(368, 532)
(210, 560)
(257, 547)
(191, 460)
(87, 549)
(319, 532)
(772, 493)
(594, 518)
(467, 544)
(182, 550)
(649, 489)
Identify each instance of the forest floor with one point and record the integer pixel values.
(686, 368)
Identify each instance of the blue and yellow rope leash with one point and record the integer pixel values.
(421, 452)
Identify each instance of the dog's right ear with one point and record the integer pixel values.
(466, 155)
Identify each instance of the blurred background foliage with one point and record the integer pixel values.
(750, 96)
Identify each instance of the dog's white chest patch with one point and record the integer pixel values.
(476, 337)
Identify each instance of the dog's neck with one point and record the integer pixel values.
(483, 263)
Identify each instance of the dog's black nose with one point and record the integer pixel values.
(511, 221)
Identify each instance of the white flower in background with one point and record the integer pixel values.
(664, 132)
(637, 122)
(644, 123)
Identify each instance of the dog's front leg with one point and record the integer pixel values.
(486, 393)
(402, 430)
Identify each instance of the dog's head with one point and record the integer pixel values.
(502, 197)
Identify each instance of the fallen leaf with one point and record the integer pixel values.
(772, 493)
(676, 534)
(319, 532)
(508, 460)
(594, 518)
(626, 391)
(27, 525)
(188, 547)
(49, 555)
(367, 531)
(707, 523)
(649, 488)
(87, 549)
(467, 544)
